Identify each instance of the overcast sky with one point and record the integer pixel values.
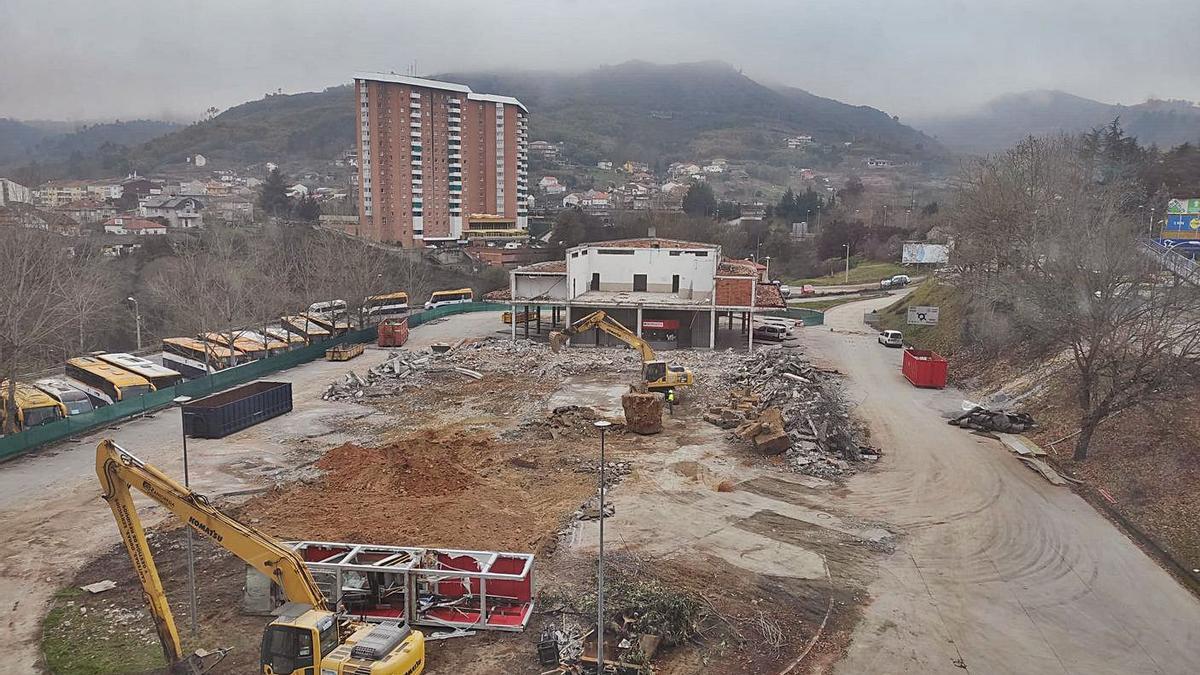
(95, 59)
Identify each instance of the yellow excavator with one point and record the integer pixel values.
(656, 374)
(305, 639)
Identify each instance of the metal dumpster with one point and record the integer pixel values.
(924, 368)
(393, 332)
(222, 414)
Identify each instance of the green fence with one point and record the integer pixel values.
(20, 443)
(811, 317)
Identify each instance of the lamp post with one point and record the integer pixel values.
(767, 259)
(137, 320)
(191, 560)
(847, 246)
(603, 426)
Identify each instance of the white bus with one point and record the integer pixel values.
(334, 309)
(70, 395)
(455, 296)
(160, 376)
(195, 358)
(386, 306)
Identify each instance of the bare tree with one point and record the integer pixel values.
(213, 284)
(37, 269)
(412, 273)
(91, 295)
(351, 270)
(1039, 235)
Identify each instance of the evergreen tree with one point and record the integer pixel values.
(272, 197)
(700, 201)
(307, 209)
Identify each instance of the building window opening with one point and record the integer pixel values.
(639, 283)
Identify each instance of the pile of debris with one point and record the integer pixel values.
(983, 419)
(783, 404)
(573, 421)
(400, 366)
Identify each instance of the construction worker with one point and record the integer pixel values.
(671, 401)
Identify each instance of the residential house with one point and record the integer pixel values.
(141, 187)
(683, 169)
(180, 212)
(605, 165)
(134, 226)
(547, 181)
(297, 190)
(11, 192)
(572, 200)
(58, 192)
(193, 188)
(673, 186)
(231, 210)
(876, 163)
(797, 142)
(545, 149)
(20, 214)
(87, 211)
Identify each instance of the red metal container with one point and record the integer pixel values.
(393, 332)
(924, 368)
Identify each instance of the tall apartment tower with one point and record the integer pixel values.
(434, 156)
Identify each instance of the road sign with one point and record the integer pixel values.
(922, 316)
(1183, 206)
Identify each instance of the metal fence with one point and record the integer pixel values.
(811, 317)
(20, 443)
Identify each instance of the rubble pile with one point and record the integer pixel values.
(983, 419)
(572, 421)
(643, 412)
(784, 405)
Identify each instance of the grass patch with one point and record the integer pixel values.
(946, 337)
(862, 273)
(82, 636)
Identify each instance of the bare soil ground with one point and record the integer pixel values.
(487, 464)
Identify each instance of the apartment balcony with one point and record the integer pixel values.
(414, 125)
(455, 101)
(414, 95)
(455, 129)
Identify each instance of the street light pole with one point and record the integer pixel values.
(137, 320)
(191, 559)
(602, 425)
(847, 245)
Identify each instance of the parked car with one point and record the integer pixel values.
(891, 338)
(770, 332)
(885, 284)
(788, 325)
(900, 280)
(785, 290)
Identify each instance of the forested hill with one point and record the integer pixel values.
(635, 111)
(1006, 120)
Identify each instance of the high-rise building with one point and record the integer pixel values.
(433, 156)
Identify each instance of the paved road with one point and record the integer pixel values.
(997, 570)
(52, 519)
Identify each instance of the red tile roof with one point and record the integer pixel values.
(546, 267)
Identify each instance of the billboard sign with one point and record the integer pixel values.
(916, 253)
(922, 316)
(661, 324)
(1183, 206)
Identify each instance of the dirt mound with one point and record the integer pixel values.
(449, 487)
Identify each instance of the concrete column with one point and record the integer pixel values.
(513, 326)
(539, 319)
(753, 295)
(712, 329)
(526, 322)
(567, 321)
(639, 321)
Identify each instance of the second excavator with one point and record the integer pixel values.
(656, 374)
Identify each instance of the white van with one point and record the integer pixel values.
(788, 325)
(891, 338)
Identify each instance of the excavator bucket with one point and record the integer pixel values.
(557, 340)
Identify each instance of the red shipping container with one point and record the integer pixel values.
(393, 332)
(924, 368)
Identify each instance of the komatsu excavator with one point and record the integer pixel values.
(656, 374)
(305, 639)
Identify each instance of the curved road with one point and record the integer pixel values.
(996, 570)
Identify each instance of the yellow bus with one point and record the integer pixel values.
(334, 326)
(455, 296)
(160, 376)
(305, 327)
(386, 306)
(288, 339)
(252, 348)
(196, 358)
(34, 407)
(105, 383)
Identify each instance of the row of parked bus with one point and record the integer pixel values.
(87, 383)
(102, 379)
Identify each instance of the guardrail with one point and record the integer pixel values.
(1176, 263)
(15, 445)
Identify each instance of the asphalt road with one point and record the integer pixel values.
(996, 571)
(52, 519)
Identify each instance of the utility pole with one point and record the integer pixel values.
(137, 321)
(847, 245)
(191, 558)
(602, 425)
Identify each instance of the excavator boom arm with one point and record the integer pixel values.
(600, 319)
(118, 470)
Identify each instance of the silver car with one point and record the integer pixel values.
(891, 338)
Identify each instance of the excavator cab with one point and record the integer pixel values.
(654, 373)
(297, 642)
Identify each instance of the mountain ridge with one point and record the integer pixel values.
(1008, 118)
